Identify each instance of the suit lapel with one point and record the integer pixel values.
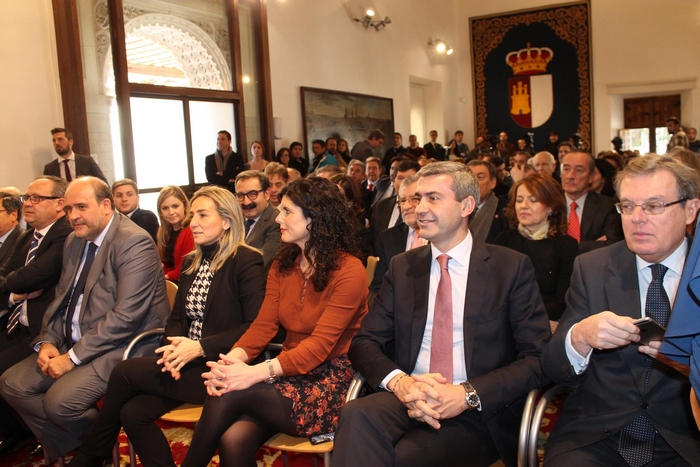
(99, 261)
(477, 289)
(622, 292)
(589, 210)
(420, 271)
(260, 225)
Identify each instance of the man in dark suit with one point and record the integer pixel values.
(111, 289)
(626, 404)
(69, 165)
(126, 200)
(490, 218)
(386, 212)
(461, 148)
(369, 147)
(261, 230)
(593, 220)
(504, 147)
(394, 151)
(375, 183)
(452, 344)
(9, 225)
(433, 149)
(222, 167)
(27, 282)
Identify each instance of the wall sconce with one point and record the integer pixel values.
(367, 21)
(440, 46)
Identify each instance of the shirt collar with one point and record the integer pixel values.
(45, 230)
(579, 202)
(459, 252)
(675, 261)
(71, 157)
(7, 234)
(100, 238)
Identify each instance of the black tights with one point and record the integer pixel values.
(239, 422)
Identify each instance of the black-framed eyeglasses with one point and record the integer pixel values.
(252, 195)
(652, 208)
(413, 201)
(35, 198)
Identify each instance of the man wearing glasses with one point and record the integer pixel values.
(261, 230)
(629, 406)
(28, 280)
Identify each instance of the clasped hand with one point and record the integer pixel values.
(230, 373)
(430, 397)
(52, 363)
(177, 354)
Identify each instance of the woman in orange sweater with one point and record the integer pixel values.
(316, 290)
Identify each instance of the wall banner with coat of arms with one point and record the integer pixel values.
(532, 73)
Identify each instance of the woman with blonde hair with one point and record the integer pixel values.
(174, 235)
(220, 293)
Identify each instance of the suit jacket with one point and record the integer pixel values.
(234, 166)
(611, 392)
(362, 150)
(506, 150)
(8, 246)
(266, 235)
(437, 152)
(380, 186)
(146, 220)
(84, 165)
(390, 154)
(599, 218)
(505, 329)
(379, 220)
(235, 295)
(392, 242)
(41, 274)
(124, 295)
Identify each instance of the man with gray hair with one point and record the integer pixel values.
(628, 404)
(544, 163)
(443, 393)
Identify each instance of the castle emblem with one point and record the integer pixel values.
(531, 96)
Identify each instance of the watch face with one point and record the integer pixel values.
(473, 400)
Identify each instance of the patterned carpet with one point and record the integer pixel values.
(180, 434)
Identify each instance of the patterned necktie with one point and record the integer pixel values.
(415, 243)
(78, 291)
(13, 320)
(69, 177)
(637, 439)
(574, 224)
(441, 339)
(248, 224)
(370, 187)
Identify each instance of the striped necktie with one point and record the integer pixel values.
(13, 320)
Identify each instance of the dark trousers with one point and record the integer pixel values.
(377, 431)
(13, 349)
(137, 395)
(604, 453)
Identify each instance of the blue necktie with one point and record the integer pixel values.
(78, 291)
(13, 320)
(637, 438)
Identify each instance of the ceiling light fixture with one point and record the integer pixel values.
(367, 21)
(440, 46)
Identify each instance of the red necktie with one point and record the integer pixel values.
(415, 243)
(441, 340)
(69, 177)
(369, 186)
(574, 224)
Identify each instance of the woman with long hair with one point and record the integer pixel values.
(352, 193)
(538, 221)
(344, 151)
(174, 235)
(316, 290)
(604, 179)
(220, 293)
(283, 157)
(256, 160)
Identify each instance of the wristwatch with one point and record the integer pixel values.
(273, 377)
(471, 397)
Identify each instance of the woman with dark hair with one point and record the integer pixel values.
(316, 290)
(538, 221)
(604, 179)
(613, 158)
(283, 157)
(298, 160)
(257, 157)
(220, 293)
(352, 193)
(344, 150)
(175, 239)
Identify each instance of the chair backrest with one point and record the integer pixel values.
(171, 290)
(371, 266)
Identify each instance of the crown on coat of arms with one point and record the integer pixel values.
(530, 61)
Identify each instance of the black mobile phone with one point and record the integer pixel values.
(318, 439)
(649, 330)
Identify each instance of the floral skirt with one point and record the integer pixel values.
(318, 396)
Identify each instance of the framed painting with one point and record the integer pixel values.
(344, 115)
(532, 74)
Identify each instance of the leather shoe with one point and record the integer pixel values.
(85, 460)
(37, 451)
(11, 440)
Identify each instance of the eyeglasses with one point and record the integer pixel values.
(35, 198)
(413, 201)
(252, 195)
(653, 208)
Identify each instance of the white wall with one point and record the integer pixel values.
(638, 47)
(30, 95)
(315, 43)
